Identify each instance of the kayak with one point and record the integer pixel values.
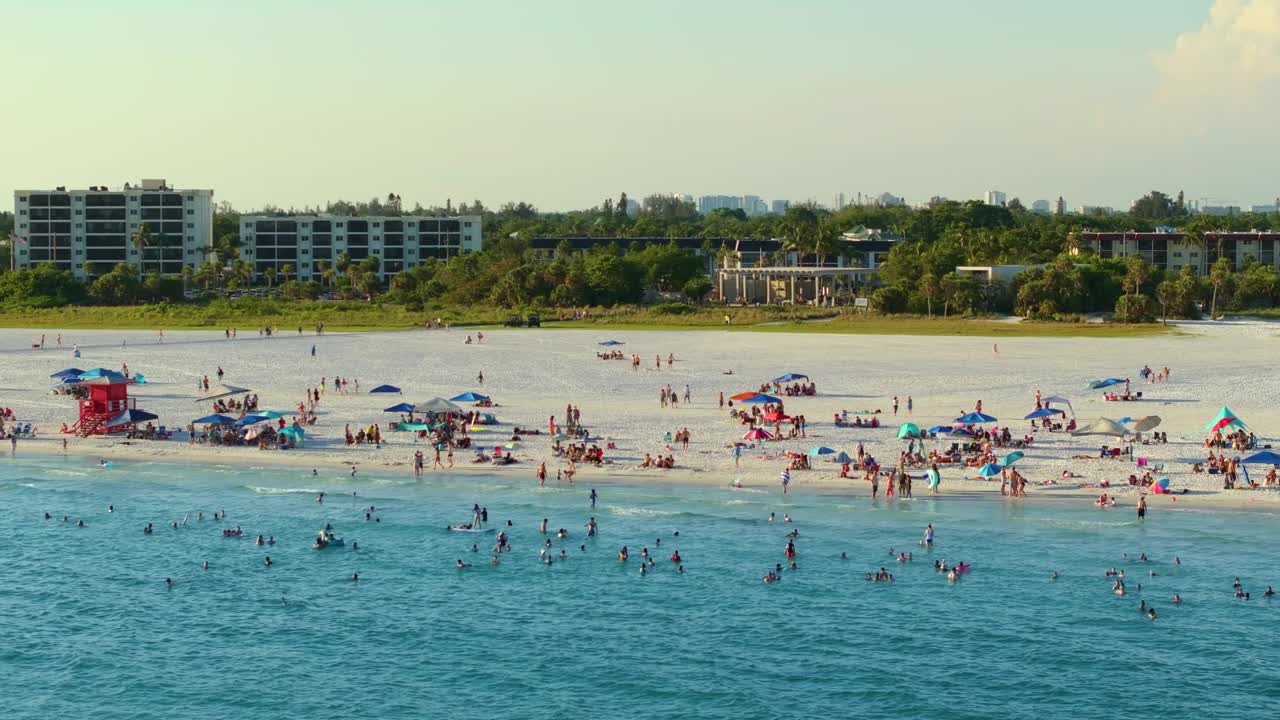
(465, 529)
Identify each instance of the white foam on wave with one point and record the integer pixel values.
(639, 512)
(280, 491)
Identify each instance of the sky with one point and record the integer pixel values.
(563, 103)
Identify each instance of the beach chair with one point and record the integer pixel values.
(1142, 462)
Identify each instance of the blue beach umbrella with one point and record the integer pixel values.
(612, 343)
(821, 450)
(131, 417)
(250, 420)
(214, 419)
(385, 389)
(989, 470)
(1012, 458)
(975, 418)
(761, 399)
(273, 414)
(1265, 457)
(842, 457)
(790, 377)
(1045, 412)
(68, 373)
(1099, 384)
(469, 397)
(401, 408)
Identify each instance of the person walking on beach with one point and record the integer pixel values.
(438, 464)
(313, 351)
(895, 404)
(686, 393)
(418, 462)
(909, 404)
(480, 378)
(737, 455)
(722, 399)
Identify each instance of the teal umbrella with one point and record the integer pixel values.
(822, 450)
(1012, 458)
(908, 430)
(272, 414)
(989, 470)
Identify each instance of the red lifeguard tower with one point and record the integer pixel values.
(108, 397)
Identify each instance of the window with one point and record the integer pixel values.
(190, 211)
(342, 224)
(190, 251)
(22, 198)
(79, 225)
(191, 226)
(134, 211)
(466, 224)
(79, 211)
(191, 198)
(23, 226)
(22, 212)
(306, 251)
(377, 224)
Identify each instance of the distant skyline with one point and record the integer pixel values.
(563, 103)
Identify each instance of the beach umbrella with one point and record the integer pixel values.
(214, 419)
(130, 417)
(272, 414)
(469, 397)
(1046, 412)
(1012, 458)
(250, 420)
(821, 450)
(68, 373)
(217, 391)
(401, 408)
(989, 470)
(842, 457)
(511, 445)
(561, 437)
(908, 430)
(790, 377)
(761, 399)
(975, 418)
(1265, 457)
(1226, 418)
(102, 376)
(1102, 426)
(744, 395)
(1146, 423)
(612, 343)
(757, 434)
(415, 426)
(437, 404)
(776, 417)
(253, 433)
(385, 389)
(295, 431)
(1099, 384)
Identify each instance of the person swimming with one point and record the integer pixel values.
(1151, 614)
(355, 577)
(495, 560)
(462, 565)
(1053, 575)
(168, 582)
(267, 561)
(1268, 592)
(1177, 599)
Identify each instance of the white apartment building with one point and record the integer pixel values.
(399, 242)
(91, 231)
(995, 197)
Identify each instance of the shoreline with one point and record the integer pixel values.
(810, 483)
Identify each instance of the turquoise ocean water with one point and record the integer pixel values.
(87, 626)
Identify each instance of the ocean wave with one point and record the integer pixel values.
(280, 491)
(639, 512)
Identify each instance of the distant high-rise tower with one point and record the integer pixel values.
(995, 197)
(1061, 207)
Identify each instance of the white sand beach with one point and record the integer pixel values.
(533, 374)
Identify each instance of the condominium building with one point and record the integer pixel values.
(399, 242)
(1173, 251)
(152, 226)
(995, 197)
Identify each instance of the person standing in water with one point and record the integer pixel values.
(593, 498)
(928, 536)
(1142, 508)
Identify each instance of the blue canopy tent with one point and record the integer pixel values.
(612, 343)
(1099, 384)
(1045, 412)
(401, 408)
(842, 457)
(469, 397)
(790, 377)
(385, 389)
(761, 399)
(272, 414)
(214, 419)
(68, 373)
(250, 420)
(130, 417)
(975, 418)
(822, 450)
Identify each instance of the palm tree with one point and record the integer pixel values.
(1219, 274)
(269, 274)
(1167, 294)
(141, 241)
(321, 268)
(1138, 272)
(929, 288)
(286, 271)
(344, 263)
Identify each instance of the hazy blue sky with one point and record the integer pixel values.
(563, 103)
